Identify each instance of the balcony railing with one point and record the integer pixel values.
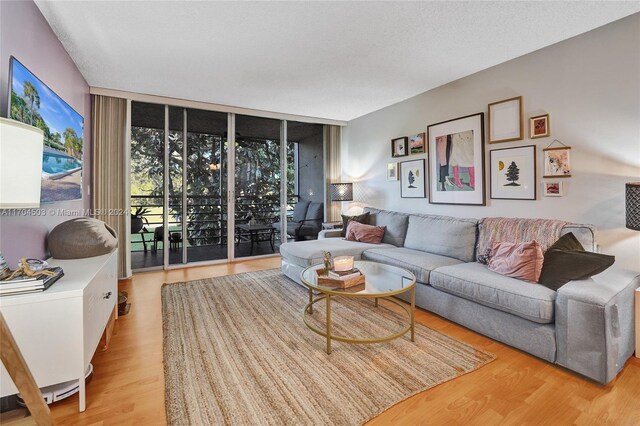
(206, 216)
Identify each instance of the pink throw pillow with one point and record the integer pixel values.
(365, 233)
(517, 260)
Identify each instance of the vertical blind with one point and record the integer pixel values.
(332, 169)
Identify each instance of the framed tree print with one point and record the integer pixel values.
(412, 179)
(505, 120)
(513, 173)
(456, 161)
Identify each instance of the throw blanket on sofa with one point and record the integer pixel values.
(504, 229)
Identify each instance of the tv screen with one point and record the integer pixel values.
(34, 103)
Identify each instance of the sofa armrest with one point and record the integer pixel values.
(595, 323)
(330, 233)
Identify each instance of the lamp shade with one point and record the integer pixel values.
(341, 192)
(633, 205)
(20, 164)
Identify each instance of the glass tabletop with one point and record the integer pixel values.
(380, 280)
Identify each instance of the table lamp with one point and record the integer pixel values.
(341, 192)
(633, 205)
(20, 164)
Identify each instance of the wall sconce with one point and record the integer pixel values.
(341, 192)
(632, 199)
(20, 164)
(214, 167)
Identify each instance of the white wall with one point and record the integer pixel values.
(590, 85)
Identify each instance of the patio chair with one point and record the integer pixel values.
(306, 221)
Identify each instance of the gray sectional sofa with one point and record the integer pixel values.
(586, 326)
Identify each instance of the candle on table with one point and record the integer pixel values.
(343, 263)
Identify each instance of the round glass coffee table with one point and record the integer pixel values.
(381, 282)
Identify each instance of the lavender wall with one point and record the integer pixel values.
(25, 34)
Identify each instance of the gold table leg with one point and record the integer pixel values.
(310, 301)
(328, 324)
(413, 309)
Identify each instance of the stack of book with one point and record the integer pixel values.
(33, 284)
(344, 275)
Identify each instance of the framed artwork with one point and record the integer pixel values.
(34, 103)
(513, 173)
(505, 120)
(416, 144)
(392, 171)
(400, 147)
(552, 189)
(413, 180)
(539, 126)
(557, 162)
(456, 161)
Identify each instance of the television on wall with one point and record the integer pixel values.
(33, 102)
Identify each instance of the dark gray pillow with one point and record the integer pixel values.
(81, 237)
(362, 218)
(300, 211)
(315, 212)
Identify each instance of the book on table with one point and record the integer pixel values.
(344, 275)
(33, 284)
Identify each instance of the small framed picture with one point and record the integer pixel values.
(413, 181)
(416, 144)
(539, 126)
(392, 171)
(557, 162)
(552, 189)
(505, 120)
(513, 173)
(400, 147)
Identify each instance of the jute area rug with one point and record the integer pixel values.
(237, 352)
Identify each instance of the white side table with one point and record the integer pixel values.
(331, 225)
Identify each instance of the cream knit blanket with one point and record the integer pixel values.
(514, 230)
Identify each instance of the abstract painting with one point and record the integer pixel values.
(392, 171)
(34, 103)
(416, 144)
(513, 173)
(539, 126)
(557, 162)
(400, 147)
(456, 161)
(553, 189)
(412, 182)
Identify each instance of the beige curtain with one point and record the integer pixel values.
(332, 170)
(108, 193)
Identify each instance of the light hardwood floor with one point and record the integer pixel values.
(128, 383)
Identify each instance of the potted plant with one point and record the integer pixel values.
(138, 220)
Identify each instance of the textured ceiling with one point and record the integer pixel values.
(336, 60)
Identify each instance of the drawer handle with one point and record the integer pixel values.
(107, 295)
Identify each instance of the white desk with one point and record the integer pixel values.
(59, 329)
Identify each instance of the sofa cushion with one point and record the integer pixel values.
(300, 211)
(315, 211)
(418, 262)
(360, 218)
(586, 234)
(444, 235)
(474, 281)
(396, 224)
(307, 253)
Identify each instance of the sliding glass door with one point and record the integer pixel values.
(199, 198)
